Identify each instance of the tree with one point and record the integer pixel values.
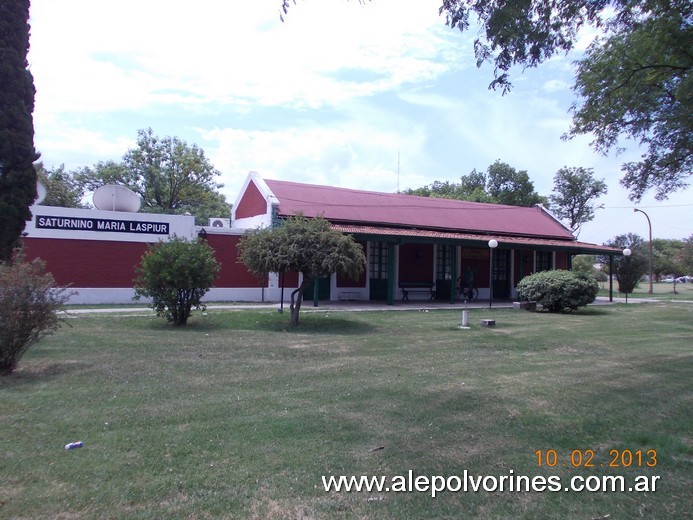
(633, 82)
(176, 275)
(309, 246)
(669, 257)
(575, 190)
(168, 174)
(637, 84)
(687, 255)
(471, 187)
(628, 270)
(61, 188)
(506, 185)
(501, 184)
(29, 305)
(17, 154)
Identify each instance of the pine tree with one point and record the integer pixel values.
(17, 154)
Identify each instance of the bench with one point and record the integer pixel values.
(346, 296)
(408, 287)
(487, 323)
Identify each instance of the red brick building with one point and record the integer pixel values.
(416, 243)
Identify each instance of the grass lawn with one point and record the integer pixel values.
(660, 291)
(236, 417)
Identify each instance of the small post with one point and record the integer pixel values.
(492, 244)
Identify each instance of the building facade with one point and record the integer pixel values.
(415, 246)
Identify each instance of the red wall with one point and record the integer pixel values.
(526, 258)
(87, 263)
(232, 273)
(416, 263)
(344, 281)
(252, 203)
(103, 263)
(561, 260)
(478, 260)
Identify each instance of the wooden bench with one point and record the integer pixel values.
(408, 287)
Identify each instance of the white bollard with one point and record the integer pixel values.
(465, 320)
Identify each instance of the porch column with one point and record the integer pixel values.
(453, 274)
(611, 278)
(390, 272)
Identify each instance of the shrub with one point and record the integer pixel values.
(559, 291)
(175, 275)
(29, 303)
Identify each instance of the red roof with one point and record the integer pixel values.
(341, 205)
(518, 242)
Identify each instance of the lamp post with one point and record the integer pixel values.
(492, 244)
(649, 225)
(626, 253)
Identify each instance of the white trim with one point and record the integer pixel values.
(550, 214)
(262, 219)
(178, 225)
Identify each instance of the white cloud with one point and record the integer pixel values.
(330, 96)
(126, 55)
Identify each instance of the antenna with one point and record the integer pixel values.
(397, 171)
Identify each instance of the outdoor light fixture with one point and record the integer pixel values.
(492, 244)
(649, 225)
(627, 252)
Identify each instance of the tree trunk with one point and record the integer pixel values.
(296, 300)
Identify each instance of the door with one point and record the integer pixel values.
(323, 290)
(377, 267)
(501, 273)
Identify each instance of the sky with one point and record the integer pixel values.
(377, 96)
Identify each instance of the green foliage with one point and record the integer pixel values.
(309, 246)
(637, 84)
(558, 290)
(628, 270)
(501, 184)
(168, 174)
(686, 255)
(506, 185)
(575, 190)
(669, 257)
(17, 154)
(176, 275)
(61, 187)
(584, 264)
(29, 303)
(633, 82)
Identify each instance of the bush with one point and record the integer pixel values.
(29, 303)
(559, 291)
(175, 275)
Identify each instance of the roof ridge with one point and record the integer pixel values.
(486, 205)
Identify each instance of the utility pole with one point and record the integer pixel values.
(650, 226)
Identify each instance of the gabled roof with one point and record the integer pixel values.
(348, 206)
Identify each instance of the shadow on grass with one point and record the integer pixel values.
(29, 372)
(266, 321)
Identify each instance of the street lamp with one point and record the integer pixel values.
(626, 253)
(649, 224)
(492, 244)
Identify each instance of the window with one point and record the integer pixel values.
(378, 260)
(443, 262)
(544, 261)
